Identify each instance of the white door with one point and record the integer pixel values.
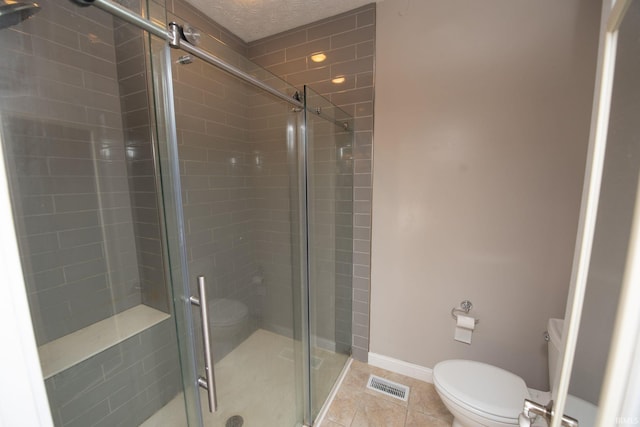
(602, 331)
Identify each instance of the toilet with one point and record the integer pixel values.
(229, 325)
(478, 394)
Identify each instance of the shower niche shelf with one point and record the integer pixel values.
(67, 351)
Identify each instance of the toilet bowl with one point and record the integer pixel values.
(229, 325)
(478, 394)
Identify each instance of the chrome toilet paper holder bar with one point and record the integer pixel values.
(465, 308)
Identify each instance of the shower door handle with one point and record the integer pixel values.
(208, 382)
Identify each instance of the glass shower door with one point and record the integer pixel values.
(329, 144)
(237, 229)
(77, 137)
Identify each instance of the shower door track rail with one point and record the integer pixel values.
(173, 35)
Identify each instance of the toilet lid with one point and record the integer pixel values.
(227, 312)
(494, 392)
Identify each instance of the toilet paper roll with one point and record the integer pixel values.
(466, 322)
(464, 329)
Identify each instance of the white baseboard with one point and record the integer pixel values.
(401, 367)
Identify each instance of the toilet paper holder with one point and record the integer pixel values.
(465, 308)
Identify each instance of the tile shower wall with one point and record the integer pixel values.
(236, 176)
(236, 169)
(330, 183)
(216, 169)
(274, 187)
(133, 79)
(349, 43)
(123, 385)
(218, 206)
(62, 126)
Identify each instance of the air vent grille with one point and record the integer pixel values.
(390, 388)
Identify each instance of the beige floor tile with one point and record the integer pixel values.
(344, 406)
(358, 376)
(375, 412)
(356, 406)
(424, 398)
(419, 419)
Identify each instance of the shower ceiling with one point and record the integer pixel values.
(255, 19)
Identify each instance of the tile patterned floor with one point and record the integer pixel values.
(356, 406)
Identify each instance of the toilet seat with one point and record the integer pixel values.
(227, 312)
(486, 390)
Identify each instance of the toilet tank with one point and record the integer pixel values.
(554, 346)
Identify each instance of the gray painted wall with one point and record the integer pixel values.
(482, 125)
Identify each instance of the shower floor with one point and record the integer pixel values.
(256, 381)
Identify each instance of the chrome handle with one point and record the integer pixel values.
(532, 409)
(208, 382)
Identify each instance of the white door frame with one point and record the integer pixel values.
(628, 318)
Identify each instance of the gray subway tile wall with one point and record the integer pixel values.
(85, 210)
(330, 222)
(274, 184)
(259, 191)
(123, 385)
(212, 119)
(240, 218)
(348, 40)
(133, 82)
(63, 127)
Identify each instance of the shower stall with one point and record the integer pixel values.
(184, 219)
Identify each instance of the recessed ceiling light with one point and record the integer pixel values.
(338, 80)
(318, 57)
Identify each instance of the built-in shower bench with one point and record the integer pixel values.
(69, 350)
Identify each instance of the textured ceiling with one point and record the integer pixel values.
(255, 19)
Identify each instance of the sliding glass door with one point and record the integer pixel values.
(264, 202)
(76, 132)
(329, 144)
(238, 233)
